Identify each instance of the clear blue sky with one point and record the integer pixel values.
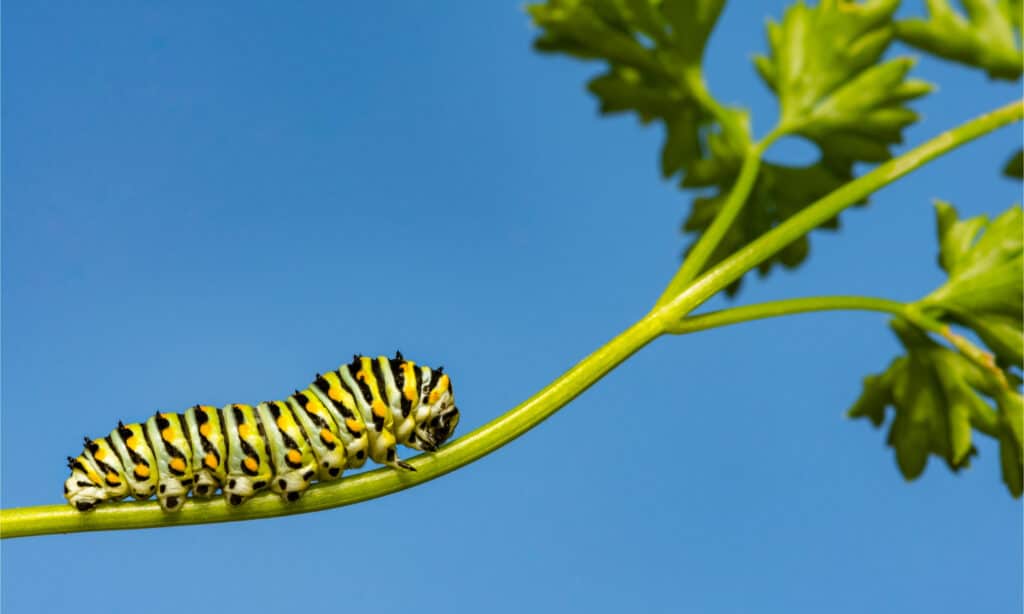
(212, 203)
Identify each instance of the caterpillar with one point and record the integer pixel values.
(362, 410)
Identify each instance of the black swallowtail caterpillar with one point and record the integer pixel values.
(361, 410)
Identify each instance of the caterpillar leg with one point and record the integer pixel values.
(401, 464)
(171, 493)
(292, 484)
(206, 484)
(241, 488)
(383, 450)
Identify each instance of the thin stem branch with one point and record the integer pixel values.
(907, 311)
(734, 202)
(828, 207)
(773, 309)
(49, 519)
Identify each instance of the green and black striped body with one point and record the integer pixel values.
(362, 410)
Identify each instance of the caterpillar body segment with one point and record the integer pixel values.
(209, 449)
(137, 457)
(336, 398)
(101, 456)
(362, 410)
(290, 453)
(323, 434)
(365, 377)
(249, 469)
(166, 435)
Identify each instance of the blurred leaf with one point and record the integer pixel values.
(825, 68)
(987, 38)
(936, 394)
(1011, 423)
(1014, 167)
(653, 50)
(985, 289)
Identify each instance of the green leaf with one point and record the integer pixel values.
(1014, 167)
(1011, 435)
(877, 394)
(986, 38)
(825, 68)
(653, 51)
(936, 394)
(985, 264)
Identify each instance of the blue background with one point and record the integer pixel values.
(211, 203)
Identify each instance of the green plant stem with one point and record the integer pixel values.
(774, 309)
(49, 519)
(826, 208)
(693, 78)
(730, 210)
(907, 311)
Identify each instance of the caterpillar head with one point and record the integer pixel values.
(438, 416)
(438, 428)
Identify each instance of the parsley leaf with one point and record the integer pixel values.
(936, 394)
(825, 68)
(986, 38)
(985, 263)
(653, 51)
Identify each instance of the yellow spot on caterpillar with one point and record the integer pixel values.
(283, 422)
(294, 457)
(210, 460)
(205, 429)
(250, 464)
(167, 434)
(113, 479)
(326, 435)
(339, 394)
(177, 464)
(314, 405)
(354, 426)
(101, 454)
(244, 431)
(379, 409)
(142, 471)
(441, 388)
(132, 442)
(93, 477)
(409, 371)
